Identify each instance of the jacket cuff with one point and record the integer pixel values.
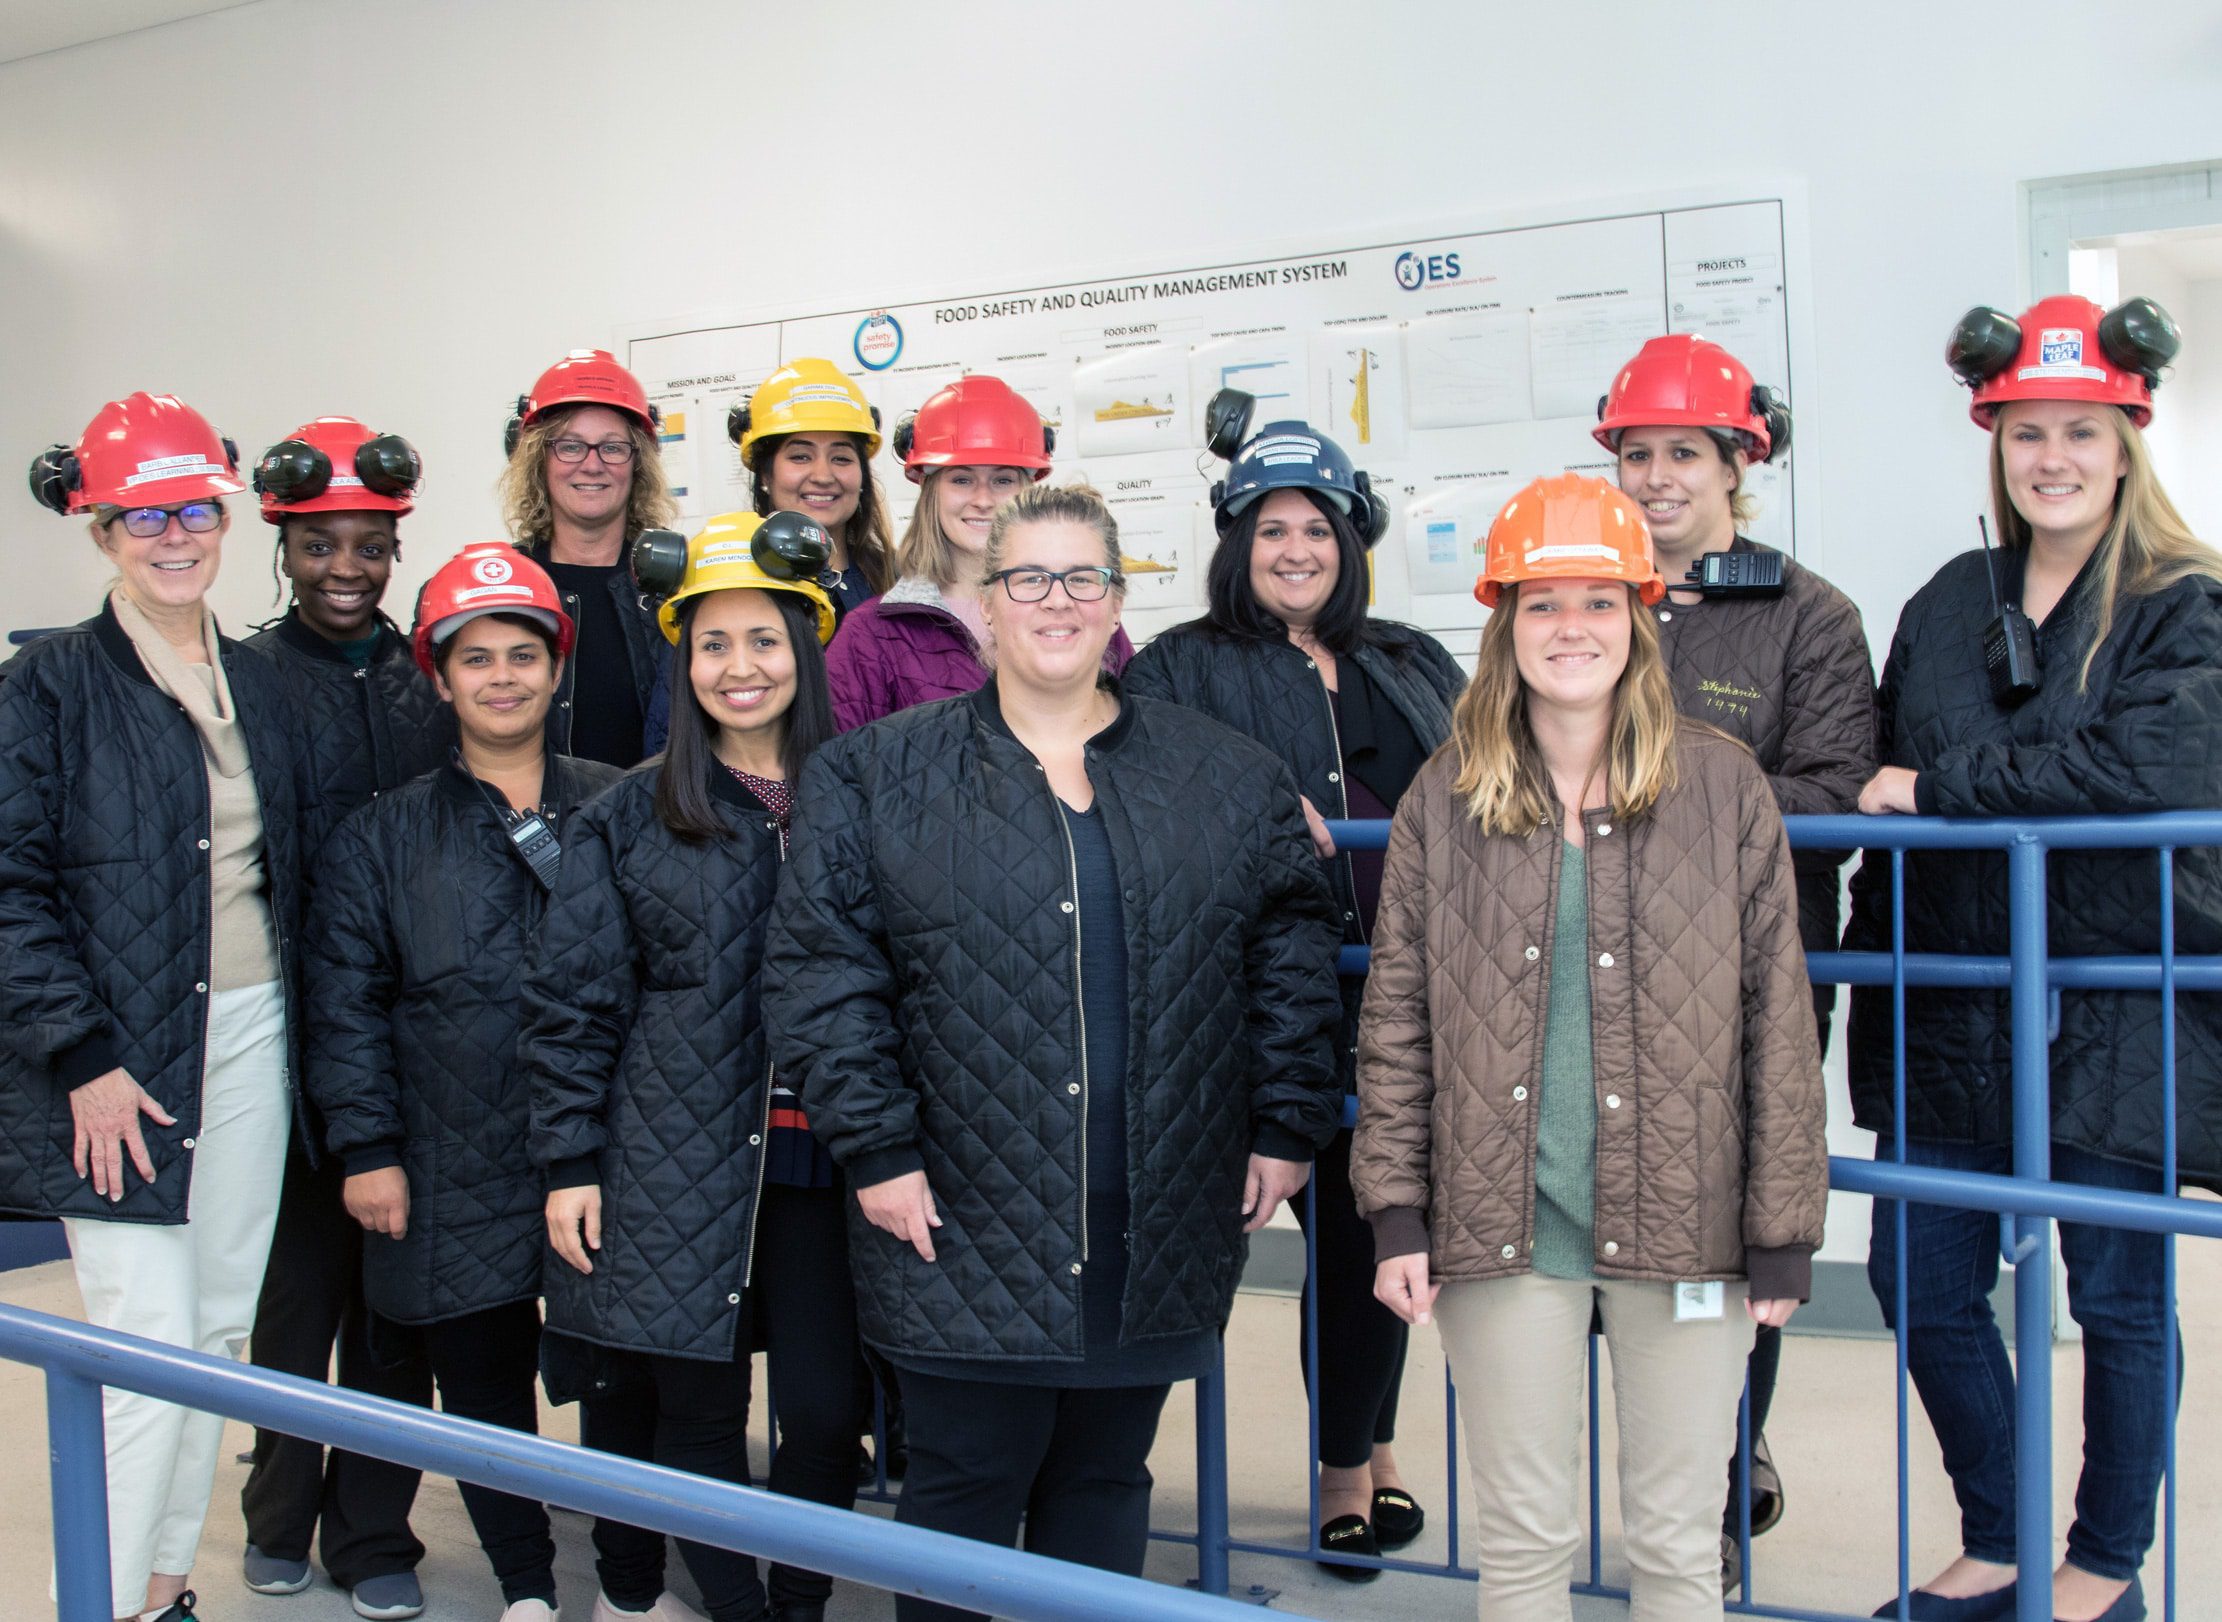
(1925, 794)
(1277, 1142)
(1779, 1272)
(87, 1059)
(370, 1157)
(883, 1165)
(1401, 1230)
(580, 1171)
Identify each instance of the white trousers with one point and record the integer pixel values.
(194, 1286)
(1515, 1347)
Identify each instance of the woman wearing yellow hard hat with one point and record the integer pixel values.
(808, 436)
(693, 1215)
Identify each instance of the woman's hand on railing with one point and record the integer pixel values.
(1322, 841)
(904, 1207)
(1890, 789)
(1770, 1314)
(106, 1110)
(1269, 1182)
(379, 1200)
(575, 1214)
(1402, 1285)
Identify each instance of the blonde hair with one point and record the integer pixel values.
(2147, 546)
(1500, 765)
(1079, 504)
(529, 513)
(926, 549)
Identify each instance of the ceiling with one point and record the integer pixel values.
(33, 27)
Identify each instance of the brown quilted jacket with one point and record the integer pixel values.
(1711, 1153)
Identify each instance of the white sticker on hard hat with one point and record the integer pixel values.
(2060, 346)
(722, 551)
(344, 481)
(514, 593)
(1573, 549)
(820, 393)
(491, 570)
(2036, 374)
(172, 467)
(1286, 442)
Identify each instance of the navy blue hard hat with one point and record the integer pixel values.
(1288, 456)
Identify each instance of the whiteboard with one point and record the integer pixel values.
(1453, 367)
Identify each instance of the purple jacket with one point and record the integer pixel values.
(905, 647)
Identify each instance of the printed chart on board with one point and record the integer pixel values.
(1453, 369)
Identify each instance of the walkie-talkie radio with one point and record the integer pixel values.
(1736, 574)
(2009, 641)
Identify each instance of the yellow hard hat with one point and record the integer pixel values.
(805, 396)
(744, 552)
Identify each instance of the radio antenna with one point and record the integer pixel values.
(1990, 566)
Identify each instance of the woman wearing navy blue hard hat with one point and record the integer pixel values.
(1289, 655)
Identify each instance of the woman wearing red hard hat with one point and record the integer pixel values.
(2086, 681)
(808, 436)
(337, 493)
(585, 477)
(155, 814)
(1755, 644)
(1587, 1076)
(691, 1215)
(972, 446)
(427, 899)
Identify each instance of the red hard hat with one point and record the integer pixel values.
(148, 451)
(977, 421)
(2063, 348)
(1684, 381)
(589, 377)
(488, 577)
(335, 464)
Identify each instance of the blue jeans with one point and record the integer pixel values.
(1958, 1358)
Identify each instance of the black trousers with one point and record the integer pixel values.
(1361, 1342)
(690, 1414)
(1074, 1464)
(487, 1365)
(356, 1509)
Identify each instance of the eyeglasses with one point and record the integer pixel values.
(195, 518)
(613, 452)
(1081, 585)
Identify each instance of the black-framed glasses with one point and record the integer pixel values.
(1081, 585)
(613, 452)
(194, 517)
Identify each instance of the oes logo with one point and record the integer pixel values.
(491, 571)
(1416, 270)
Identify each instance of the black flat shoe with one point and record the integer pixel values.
(1397, 1517)
(1349, 1534)
(797, 1610)
(1923, 1606)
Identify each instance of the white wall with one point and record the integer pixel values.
(403, 211)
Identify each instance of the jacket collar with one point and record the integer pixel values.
(987, 708)
(725, 787)
(916, 597)
(557, 790)
(295, 633)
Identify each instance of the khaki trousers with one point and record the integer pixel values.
(1515, 1347)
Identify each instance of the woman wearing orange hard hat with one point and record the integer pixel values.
(972, 446)
(2083, 679)
(807, 436)
(585, 477)
(1756, 644)
(1645, 1142)
(658, 1115)
(156, 815)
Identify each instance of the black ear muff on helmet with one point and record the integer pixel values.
(1369, 514)
(2139, 336)
(1773, 410)
(736, 422)
(905, 432)
(1049, 440)
(1983, 344)
(388, 465)
(231, 450)
(514, 429)
(658, 559)
(292, 470)
(1227, 424)
(788, 546)
(55, 477)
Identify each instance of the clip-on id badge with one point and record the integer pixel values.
(1697, 1299)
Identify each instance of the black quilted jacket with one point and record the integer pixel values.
(369, 729)
(104, 926)
(647, 656)
(2145, 736)
(416, 946)
(1272, 692)
(922, 991)
(644, 1049)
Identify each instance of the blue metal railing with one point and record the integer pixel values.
(81, 1360)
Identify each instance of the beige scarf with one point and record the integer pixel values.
(206, 699)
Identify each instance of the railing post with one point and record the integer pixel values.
(2032, 1078)
(1211, 1476)
(77, 1449)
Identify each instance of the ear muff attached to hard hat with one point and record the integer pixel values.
(781, 551)
(294, 470)
(1284, 456)
(1982, 345)
(2139, 336)
(55, 477)
(2044, 355)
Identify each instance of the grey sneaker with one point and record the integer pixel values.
(389, 1598)
(267, 1574)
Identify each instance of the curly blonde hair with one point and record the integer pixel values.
(526, 508)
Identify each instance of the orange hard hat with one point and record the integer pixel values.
(1569, 528)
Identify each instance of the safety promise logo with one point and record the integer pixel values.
(879, 341)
